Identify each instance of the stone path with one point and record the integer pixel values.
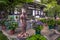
(50, 34)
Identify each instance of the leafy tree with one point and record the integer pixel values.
(52, 7)
(9, 5)
(3, 8)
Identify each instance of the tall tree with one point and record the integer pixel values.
(52, 8)
(3, 8)
(10, 4)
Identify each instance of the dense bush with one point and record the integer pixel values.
(43, 20)
(48, 21)
(2, 22)
(38, 28)
(51, 22)
(58, 22)
(36, 37)
(12, 25)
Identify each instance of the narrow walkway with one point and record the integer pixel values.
(50, 34)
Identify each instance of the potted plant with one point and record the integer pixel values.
(38, 29)
(3, 24)
(51, 23)
(12, 27)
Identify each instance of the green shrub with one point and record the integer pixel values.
(51, 22)
(36, 37)
(3, 37)
(13, 25)
(38, 28)
(43, 20)
(58, 22)
(48, 21)
(2, 22)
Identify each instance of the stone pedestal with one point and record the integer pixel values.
(14, 37)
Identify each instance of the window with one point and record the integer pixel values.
(33, 12)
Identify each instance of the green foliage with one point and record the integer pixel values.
(43, 20)
(3, 37)
(3, 5)
(51, 22)
(13, 25)
(58, 22)
(2, 22)
(36, 37)
(48, 21)
(38, 28)
(51, 7)
(44, 1)
(14, 2)
(11, 4)
(28, 1)
(58, 38)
